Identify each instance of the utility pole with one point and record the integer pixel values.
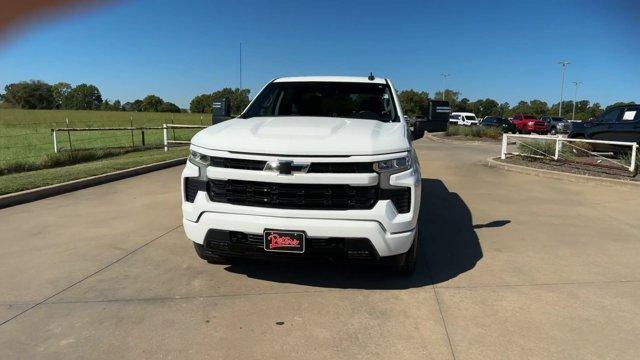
(444, 78)
(240, 65)
(564, 64)
(575, 97)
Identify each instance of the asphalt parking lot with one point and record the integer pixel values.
(512, 266)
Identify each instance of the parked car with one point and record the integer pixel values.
(463, 118)
(495, 121)
(527, 124)
(325, 168)
(621, 123)
(557, 125)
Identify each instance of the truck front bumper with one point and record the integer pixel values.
(383, 242)
(389, 232)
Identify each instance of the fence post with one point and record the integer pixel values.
(634, 151)
(503, 152)
(69, 134)
(164, 135)
(555, 157)
(173, 130)
(55, 140)
(133, 144)
(143, 142)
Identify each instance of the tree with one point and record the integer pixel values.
(503, 109)
(239, 98)
(449, 95)
(83, 97)
(136, 105)
(592, 111)
(151, 103)
(106, 105)
(201, 104)
(522, 107)
(539, 107)
(619, 103)
(463, 105)
(60, 92)
(169, 107)
(116, 106)
(413, 102)
(34, 94)
(567, 106)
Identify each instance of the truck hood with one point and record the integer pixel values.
(304, 135)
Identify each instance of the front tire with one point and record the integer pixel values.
(405, 264)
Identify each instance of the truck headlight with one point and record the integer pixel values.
(531, 123)
(199, 159)
(393, 165)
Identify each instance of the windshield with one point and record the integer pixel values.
(325, 99)
(530, 117)
(557, 119)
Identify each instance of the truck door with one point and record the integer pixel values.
(604, 128)
(628, 128)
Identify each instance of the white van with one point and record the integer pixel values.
(463, 118)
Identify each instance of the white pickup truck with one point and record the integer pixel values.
(313, 167)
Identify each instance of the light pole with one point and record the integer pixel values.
(444, 79)
(564, 64)
(575, 97)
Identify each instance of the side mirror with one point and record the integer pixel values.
(418, 131)
(221, 110)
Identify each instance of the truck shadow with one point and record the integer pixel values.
(448, 247)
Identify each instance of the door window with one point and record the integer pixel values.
(611, 116)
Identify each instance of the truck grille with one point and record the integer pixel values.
(293, 196)
(316, 167)
(236, 242)
(242, 164)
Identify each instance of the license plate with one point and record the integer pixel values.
(284, 241)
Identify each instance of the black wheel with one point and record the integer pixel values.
(207, 256)
(405, 264)
(553, 131)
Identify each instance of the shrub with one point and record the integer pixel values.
(474, 131)
(568, 151)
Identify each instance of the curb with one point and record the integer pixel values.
(467, 142)
(492, 162)
(26, 196)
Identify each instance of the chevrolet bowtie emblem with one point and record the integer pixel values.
(286, 167)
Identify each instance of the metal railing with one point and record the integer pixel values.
(559, 141)
(55, 131)
(165, 134)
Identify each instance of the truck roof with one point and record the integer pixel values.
(350, 79)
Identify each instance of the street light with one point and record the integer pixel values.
(575, 97)
(444, 78)
(564, 64)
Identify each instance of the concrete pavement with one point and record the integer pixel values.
(512, 266)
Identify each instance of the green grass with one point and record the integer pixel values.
(474, 131)
(547, 148)
(34, 179)
(25, 135)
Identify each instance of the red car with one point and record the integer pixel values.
(527, 124)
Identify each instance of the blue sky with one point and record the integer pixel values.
(506, 50)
